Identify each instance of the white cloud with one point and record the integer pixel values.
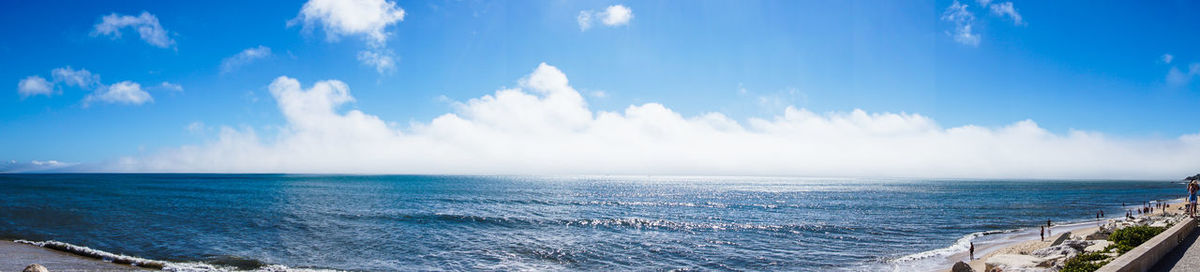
(584, 19)
(146, 25)
(46, 163)
(1007, 9)
(544, 126)
(352, 17)
(1178, 77)
(245, 57)
(34, 85)
(983, 3)
(598, 94)
(369, 18)
(170, 87)
(124, 92)
(963, 21)
(384, 61)
(615, 15)
(14, 166)
(81, 78)
(1167, 58)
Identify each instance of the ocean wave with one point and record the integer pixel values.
(706, 204)
(156, 264)
(631, 222)
(961, 245)
(933, 259)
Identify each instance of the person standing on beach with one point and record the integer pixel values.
(972, 250)
(1043, 233)
(1192, 188)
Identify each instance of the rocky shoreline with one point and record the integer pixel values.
(1052, 254)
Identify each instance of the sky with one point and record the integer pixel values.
(954, 89)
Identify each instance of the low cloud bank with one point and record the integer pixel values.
(544, 126)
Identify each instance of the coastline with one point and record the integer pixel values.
(1028, 240)
(18, 255)
(59, 256)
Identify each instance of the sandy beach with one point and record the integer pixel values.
(1024, 244)
(17, 256)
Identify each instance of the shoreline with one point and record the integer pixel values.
(1026, 240)
(19, 255)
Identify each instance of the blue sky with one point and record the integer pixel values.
(1098, 66)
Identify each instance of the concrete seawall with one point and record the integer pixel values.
(1143, 257)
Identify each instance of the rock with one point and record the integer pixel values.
(1076, 244)
(1014, 262)
(1061, 238)
(1055, 262)
(1097, 246)
(1055, 252)
(961, 267)
(1098, 235)
(35, 268)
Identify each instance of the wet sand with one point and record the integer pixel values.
(16, 256)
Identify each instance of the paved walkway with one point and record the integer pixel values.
(1185, 256)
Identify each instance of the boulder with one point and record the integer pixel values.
(1098, 235)
(961, 267)
(1055, 262)
(1055, 251)
(1061, 238)
(1076, 244)
(1097, 246)
(35, 268)
(1014, 263)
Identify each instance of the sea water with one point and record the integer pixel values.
(406, 223)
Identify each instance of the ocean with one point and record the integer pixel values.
(595, 223)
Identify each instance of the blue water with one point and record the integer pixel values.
(388, 223)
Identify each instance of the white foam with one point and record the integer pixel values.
(165, 266)
(938, 258)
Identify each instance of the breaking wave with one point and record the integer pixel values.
(155, 264)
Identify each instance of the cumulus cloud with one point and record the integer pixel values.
(34, 85)
(124, 92)
(245, 57)
(367, 18)
(384, 61)
(544, 126)
(1006, 9)
(81, 78)
(615, 15)
(963, 21)
(352, 17)
(146, 25)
